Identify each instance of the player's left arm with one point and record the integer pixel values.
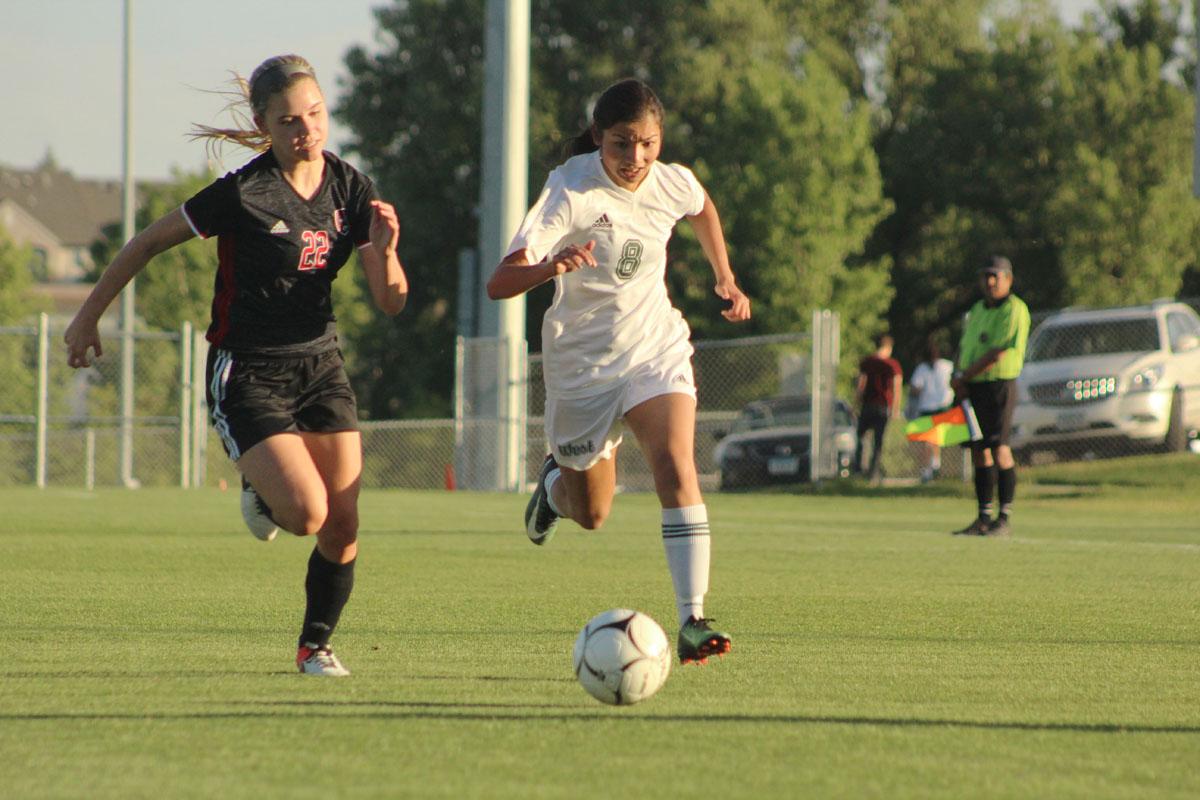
(707, 226)
(385, 273)
(897, 392)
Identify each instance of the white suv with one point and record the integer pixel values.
(1110, 377)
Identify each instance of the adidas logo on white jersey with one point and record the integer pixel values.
(603, 222)
(280, 227)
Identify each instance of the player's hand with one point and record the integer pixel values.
(385, 227)
(739, 308)
(81, 336)
(574, 257)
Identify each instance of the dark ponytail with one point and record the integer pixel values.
(627, 100)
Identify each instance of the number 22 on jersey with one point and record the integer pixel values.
(315, 252)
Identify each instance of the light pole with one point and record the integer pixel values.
(127, 295)
(502, 206)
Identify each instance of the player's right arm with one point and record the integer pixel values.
(83, 332)
(516, 275)
(529, 262)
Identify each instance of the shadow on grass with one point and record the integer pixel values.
(170, 673)
(421, 711)
(943, 489)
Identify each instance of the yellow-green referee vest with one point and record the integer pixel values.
(1007, 326)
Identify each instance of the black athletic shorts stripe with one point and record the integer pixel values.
(252, 397)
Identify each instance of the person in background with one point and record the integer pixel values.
(878, 390)
(990, 357)
(929, 392)
(278, 393)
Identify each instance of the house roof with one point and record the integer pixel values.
(75, 209)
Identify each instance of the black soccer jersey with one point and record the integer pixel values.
(279, 253)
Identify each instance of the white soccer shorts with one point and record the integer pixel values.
(583, 430)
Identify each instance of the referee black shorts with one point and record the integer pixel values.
(993, 402)
(251, 397)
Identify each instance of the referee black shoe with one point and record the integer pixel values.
(540, 519)
(979, 527)
(999, 527)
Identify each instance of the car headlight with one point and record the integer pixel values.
(731, 451)
(1146, 379)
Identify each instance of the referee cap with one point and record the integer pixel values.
(996, 265)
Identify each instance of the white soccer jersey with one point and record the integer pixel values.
(932, 383)
(608, 320)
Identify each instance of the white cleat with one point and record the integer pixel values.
(257, 515)
(319, 661)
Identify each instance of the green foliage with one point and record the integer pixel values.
(15, 280)
(1128, 220)
(18, 352)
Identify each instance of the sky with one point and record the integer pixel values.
(62, 65)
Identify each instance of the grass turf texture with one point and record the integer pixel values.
(149, 643)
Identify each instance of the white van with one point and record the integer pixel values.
(1110, 379)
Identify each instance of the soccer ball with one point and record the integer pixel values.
(622, 657)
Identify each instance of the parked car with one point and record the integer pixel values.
(1112, 379)
(770, 442)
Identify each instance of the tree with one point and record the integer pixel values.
(1128, 220)
(15, 280)
(414, 108)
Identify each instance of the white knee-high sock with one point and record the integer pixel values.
(686, 541)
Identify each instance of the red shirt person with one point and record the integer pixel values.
(878, 390)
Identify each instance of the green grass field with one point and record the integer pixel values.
(149, 644)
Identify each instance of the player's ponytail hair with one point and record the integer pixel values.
(627, 100)
(248, 99)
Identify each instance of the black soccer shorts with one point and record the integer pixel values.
(994, 402)
(251, 397)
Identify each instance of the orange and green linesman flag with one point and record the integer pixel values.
(952, 426)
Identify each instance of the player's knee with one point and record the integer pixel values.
(304, 518)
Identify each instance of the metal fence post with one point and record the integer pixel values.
(816, 400)
(89, 458)
(43, 384)
(185, 405)
(199, 423)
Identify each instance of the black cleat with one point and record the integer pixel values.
(697, 641)
(540, 519)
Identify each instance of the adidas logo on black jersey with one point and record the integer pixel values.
(603, 222)
(280, 227)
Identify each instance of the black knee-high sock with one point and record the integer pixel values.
(1007, 490)
(327, 588)
(985, 486)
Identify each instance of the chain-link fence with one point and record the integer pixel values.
(66, 427)
(1097, 383)
(757, 399)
